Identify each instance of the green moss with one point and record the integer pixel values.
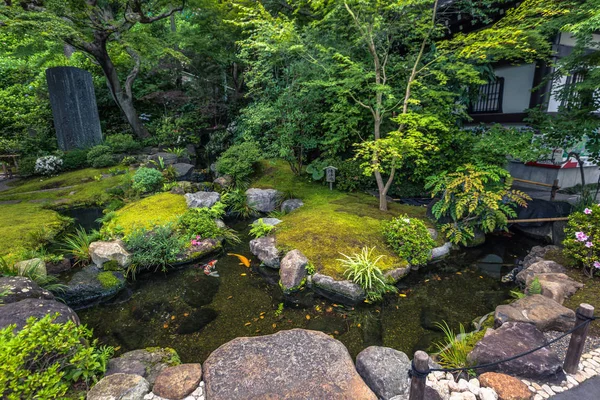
(171, 357)
(111, 265)
(108, 280)
(332, 222)
(158, 209)
(589, 293)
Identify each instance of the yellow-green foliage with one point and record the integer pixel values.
(108, 280)
(158, 209)
(332, 222)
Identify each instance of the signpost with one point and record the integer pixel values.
(330, 175)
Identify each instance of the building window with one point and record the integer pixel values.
(571, 97)
(489, 98)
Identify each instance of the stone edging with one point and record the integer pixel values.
(197, 394)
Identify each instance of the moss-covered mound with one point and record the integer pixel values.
(158, 209)
(332, 222)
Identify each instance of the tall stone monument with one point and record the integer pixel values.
(74, 107)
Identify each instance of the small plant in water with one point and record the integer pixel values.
(362, 269)
(453, 350)
(279, 310)
(260, 229)
(78, 244)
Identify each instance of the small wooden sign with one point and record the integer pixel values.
(330, 175)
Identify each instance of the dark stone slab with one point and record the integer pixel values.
(17, 288)
(18, 313)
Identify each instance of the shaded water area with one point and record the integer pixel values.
(86, 217)
(195, 314)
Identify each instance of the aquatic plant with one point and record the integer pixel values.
(156, 248)
(78, 244)
(362, 269)
(237, 204)
(260, 229)
(454, 349)
(279, 310)
(409, 238)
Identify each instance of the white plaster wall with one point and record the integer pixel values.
(566, 39)
(518, 82)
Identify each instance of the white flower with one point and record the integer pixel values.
(48, 165)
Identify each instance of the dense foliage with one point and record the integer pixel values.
(239, 161)
(156, 248)
(409, 238)
(147, 180)
(583, 239)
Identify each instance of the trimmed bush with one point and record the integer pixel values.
(409, 238)
(75, 159)
(100, 156)
(239, 161)
(147, 180)
(122, 143)
(27, 166)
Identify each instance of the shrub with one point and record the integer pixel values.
(156, 248)
(583, 239)
(44, 358)
(239, 161)
(122, 143)
(454, 349)
(201, 222)
(260, 229)
(48, 165)
(100, 156)
(78, 245)
(27, 166)
(128, 160)
(75, 159)
(147, 180)
(409, 238)
(237, 204)
(362, 269)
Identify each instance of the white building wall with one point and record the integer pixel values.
(566, 39)
(518, 82)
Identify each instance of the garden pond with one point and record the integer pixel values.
(194, 313)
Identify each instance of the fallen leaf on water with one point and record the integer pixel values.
(172, 317)
(307, 316)
(165, 326)
(480, 277)
(459, 273)
(426, 280)
(117, 348)
(186, 314)
(230, 297)
(262, 317)
(248, 324)
(263, 313)
(402, 295)
(397, 308)
(358, 325)
(274, 326)
(242, 274)
(336, 332)
(329, 309)
(258, 330)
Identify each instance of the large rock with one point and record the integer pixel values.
(183, 171)
(17, 313)
(545, 313)
(17, 288)
(556, 286)
(35, 266)
(506, 386)
(441, 251)
(537, 253)
(177, 382)
(539, 267)
(264, 248)
(148, 363)
(102, 252)
(91, 286)
(263, 200)
(202, 199)
(295, 364)
(120, 387)
(346, 292)
(384, 370)
(291, 205)
(293, 270)
(396, 274)
(168, 158)
(511, 339)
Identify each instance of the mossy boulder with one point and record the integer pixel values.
(92, 286)
(147, 363)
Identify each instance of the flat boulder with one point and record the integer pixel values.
(120, 387)
(263, 200)
(345, 291)
(293, 270)
(147, 363)
(35, 266)
(539, 267)
(541, 311)
(265, 249)
(17, 288)
(183, 171)
(537, 253)
(396, 274)
(92, 286)
(268, 221)
(175, 383)
(202, 199)
(102, 252)
(17, 313)
(293, 365)
(505, 386)
(511, 339)
(291, 205)
(385, 371)
(556, 286)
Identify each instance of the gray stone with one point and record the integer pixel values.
(17, 288)
(183, 171)
(35, 266)
(536, 254)
(167, 158)
(92, 286)
(514, 338)
(292, 365)
(545, 313)
(556, 286)
(17, 313)
(74, 108)
(263, 200)
(223, 181)
(264, 248)
(433, 233)
(202, 199)
(291, 205)
(148, 363)
(175, 383)
(441, 251)
(539, 267)
(293, 270)
(101, 252)
(396, 274)
(268, 221)
(384, 370)
(120, 387)
(346, 292)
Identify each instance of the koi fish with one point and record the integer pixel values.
(243, 260)
(208, 269)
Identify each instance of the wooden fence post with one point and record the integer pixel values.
(555, 188)
(584, 312)
(417, 382)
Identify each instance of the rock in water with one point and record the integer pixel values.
(18, 313)
(102, 252)
(120, 387)
(183, 171)
(511, 339)
(17, 288)
(264, 248)
(556, 286)
(293, 270)
(542, 311)
(384, 370)
(268, 221)
(202, 199)
(175, 383)
(264, 200)
(292, 365)
(346, 292)
(91, 286)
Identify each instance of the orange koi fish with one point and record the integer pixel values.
(243, 260)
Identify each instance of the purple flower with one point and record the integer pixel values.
(588, 244)
(597, 264)
(587, 211)
(582, 237)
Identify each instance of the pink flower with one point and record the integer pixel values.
(597, 264)
(587, 211)
(195, 243)
(582, 237)
(198, 237)
(588, 244)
